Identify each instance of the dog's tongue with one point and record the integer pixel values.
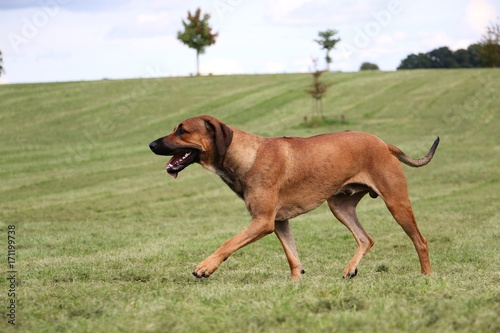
(172, 173)
(178, 162)
(173, 161)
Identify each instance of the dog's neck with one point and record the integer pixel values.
(238, 160)
(242, 152)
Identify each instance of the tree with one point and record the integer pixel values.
(327, 43)
(318, 90)
(1, 64)
(490, 46)
(443, 57)
(462, 58)
(474, 51)
(367, 66)
(197, 34)
(414, 61)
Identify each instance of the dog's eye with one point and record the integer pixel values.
(180, 130)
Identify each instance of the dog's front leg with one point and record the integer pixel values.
(259, 227)
(284, 233)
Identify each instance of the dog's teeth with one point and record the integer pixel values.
(185, 155)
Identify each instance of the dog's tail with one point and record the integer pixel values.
(411, 161)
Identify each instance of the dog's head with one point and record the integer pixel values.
(201, 140)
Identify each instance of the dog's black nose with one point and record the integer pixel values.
(153, 146)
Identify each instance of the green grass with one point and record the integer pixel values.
(106, 240)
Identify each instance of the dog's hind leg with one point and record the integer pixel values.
(393, 189)
(343, 206)
(400, 207)
(284, 232)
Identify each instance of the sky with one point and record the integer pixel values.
(74, 40)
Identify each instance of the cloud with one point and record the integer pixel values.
(73, 5)
(302, 64)
(321, 12)
(220, 66)
(145, 25)
(384, 39)
(275, 67)
(431, 40)
(18, 4)
(53, 55)
(291, 11)
(461, 44)
(478, 13)
(173, 5)
(280, 9)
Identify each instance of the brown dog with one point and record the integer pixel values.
(280, 178)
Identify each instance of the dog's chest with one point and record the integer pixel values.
(233, 183)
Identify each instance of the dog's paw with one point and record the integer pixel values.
(350, 274)
(205, 268)
(200, 274)
(297, 274)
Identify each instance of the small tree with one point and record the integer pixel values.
(197, 34)
(318, 90)
(490, 46)
(327, 42)
(1, 64)
(367, 66)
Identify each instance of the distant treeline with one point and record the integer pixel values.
(443, 57)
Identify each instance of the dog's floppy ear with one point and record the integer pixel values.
(223, 135)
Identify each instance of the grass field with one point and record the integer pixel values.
(105, 240)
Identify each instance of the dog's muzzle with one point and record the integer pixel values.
(181, 157)
(155, 147)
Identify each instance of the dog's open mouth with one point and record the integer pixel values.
(181, 160)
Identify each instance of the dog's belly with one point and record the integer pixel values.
(290, 210)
